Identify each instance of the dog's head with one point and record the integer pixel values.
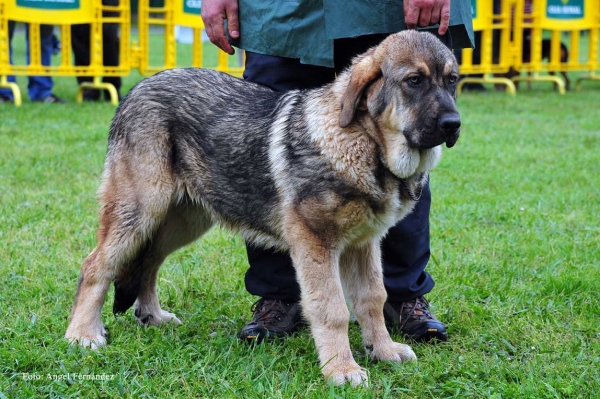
(407, 87)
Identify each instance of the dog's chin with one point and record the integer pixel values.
(408, 161)
(452, 139)
(429, 158)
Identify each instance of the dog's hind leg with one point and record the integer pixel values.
(127, 223)
(184, 223)
(362, 277)
(125, 228)
(85, 325)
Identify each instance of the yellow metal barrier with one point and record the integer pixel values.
(4, 56)
(164, 20)
(526, 36)
(64, 14)
(539, 28)
(592, 64)
(512, 35)
(152, 17)
(494, 49)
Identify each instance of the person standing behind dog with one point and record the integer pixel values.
(80, 43)
(301, 45)
(39, 88)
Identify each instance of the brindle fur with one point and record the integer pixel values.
(322, 173)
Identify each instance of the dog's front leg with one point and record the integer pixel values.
(323, 304)
(362, 276)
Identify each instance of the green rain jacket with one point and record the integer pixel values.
(305, 29)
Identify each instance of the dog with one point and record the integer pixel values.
(322, 173)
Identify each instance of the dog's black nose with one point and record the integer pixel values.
(449, 123)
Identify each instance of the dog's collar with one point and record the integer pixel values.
(413, 194)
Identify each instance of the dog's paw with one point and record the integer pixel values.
(93, 340)
(156, 318)
(342, 374)
(394, 352)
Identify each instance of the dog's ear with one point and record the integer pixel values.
(364, 72)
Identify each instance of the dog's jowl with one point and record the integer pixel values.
(322, 173)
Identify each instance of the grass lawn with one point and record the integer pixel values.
(516, 259)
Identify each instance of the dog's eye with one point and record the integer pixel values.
(452, 80)
(414, 80)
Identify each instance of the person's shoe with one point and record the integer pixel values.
(50, 99)
(5, 99)
(414, 319)
(272, 319)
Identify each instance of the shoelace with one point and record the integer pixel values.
(268, 311)
(417, 308)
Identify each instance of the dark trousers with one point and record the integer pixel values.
(405, 249)
(80, 42)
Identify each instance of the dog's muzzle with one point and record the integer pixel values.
(449, 125)
(445, 130)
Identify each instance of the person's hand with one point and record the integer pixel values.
(427, 12)
(214, 12)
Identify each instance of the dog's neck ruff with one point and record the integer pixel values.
(406, 191)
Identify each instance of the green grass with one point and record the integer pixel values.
(516, 258)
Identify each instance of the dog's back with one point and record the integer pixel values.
(213, 128)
